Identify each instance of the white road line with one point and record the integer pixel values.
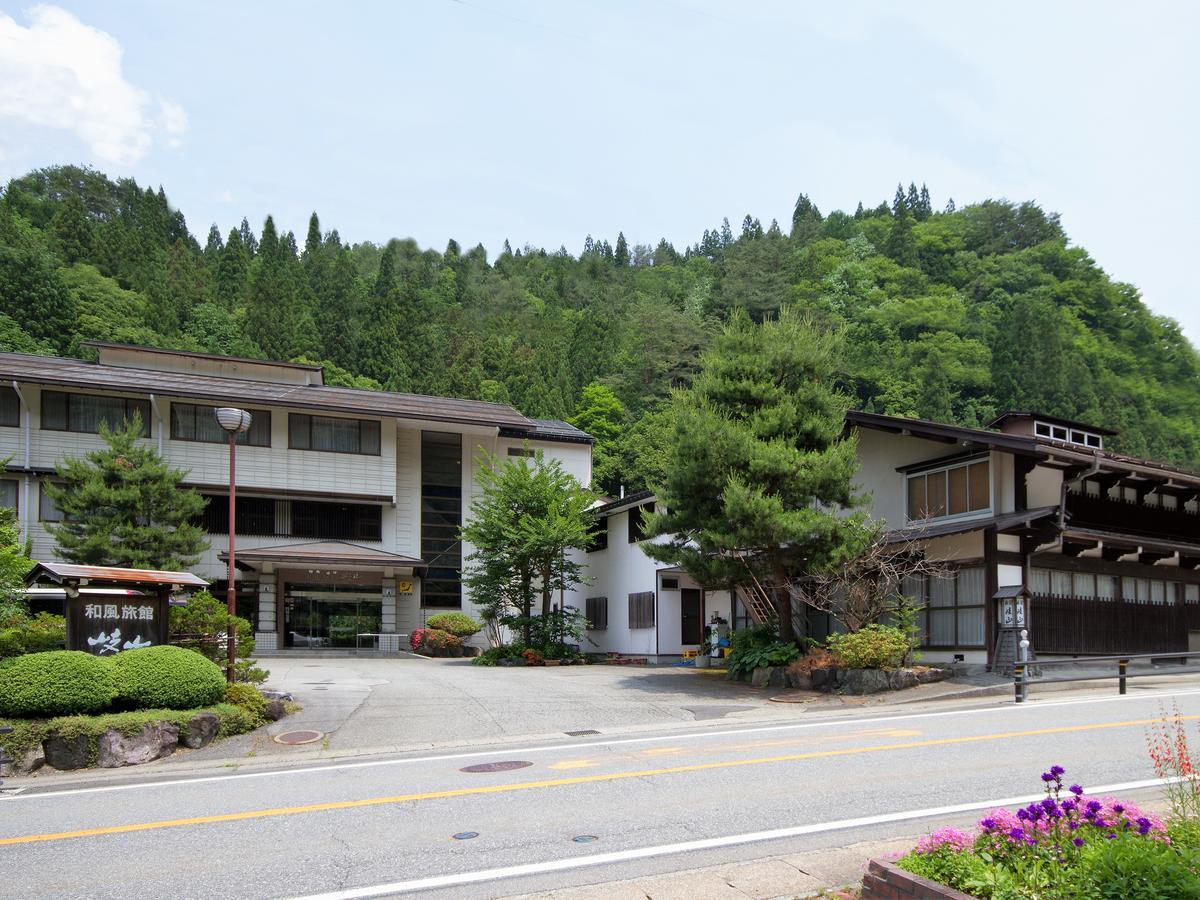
(599, 859)
(555, 748)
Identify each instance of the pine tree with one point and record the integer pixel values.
(901, 246)
(33, 294)
(858, 212)
(759, 469)
(213, 247)
(588, 245)
(913, 199)
(898, 201)
(452, 250)
(950, 205)
(124, 506)
(925, 206)
(229, 287)
(72, 228)
(312, 241)
(622, 252)
(806, 220)
(249, 241)
(726, 234)
(385, 279)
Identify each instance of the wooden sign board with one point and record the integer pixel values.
(107, 624)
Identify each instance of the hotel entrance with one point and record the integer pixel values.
(321, 617)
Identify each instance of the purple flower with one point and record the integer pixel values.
(987, 824)
(1057, 770)
(1095, 806)
(1046, 776)
(1073, 825)
(1017, 834)
(1023, 814)
(1078, 842)
(1118, 808)
(1076, 790)
(1068, 806)
(1110, 836)
(1048, 804)
(1142, 820)
(1144, 829)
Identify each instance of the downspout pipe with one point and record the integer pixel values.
(26, 416)
(1093, 469)
(158, 418)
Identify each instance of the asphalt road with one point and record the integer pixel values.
(647, 803)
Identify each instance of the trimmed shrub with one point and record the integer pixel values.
(435, 642)
(871, 647)
(458, 624)
(56, 683)
(248, 697)
(22, 633)
(167, 678)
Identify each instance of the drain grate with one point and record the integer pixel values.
(298, 737)
(505, 766)
(581, 733)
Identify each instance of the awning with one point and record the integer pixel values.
(68, 573)
(326, 553)
(1005, 523)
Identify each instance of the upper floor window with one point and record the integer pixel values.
(10, 408)
(48, 510)
(599, 539)
(522, 451)
(191, 422)
(85, 413)
(1068, 435)
(950, 491)
(8, 493)
(333, 435)
(637, 522)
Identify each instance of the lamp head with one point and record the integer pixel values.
(232, 419)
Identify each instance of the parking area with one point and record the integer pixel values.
(367, 705)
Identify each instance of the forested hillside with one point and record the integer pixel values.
(951, 315)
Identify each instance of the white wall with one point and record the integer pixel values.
(616, 572)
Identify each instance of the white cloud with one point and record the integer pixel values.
(61, 73)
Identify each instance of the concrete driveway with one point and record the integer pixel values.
(366, 706)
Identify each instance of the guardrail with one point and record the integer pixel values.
(1021, 680)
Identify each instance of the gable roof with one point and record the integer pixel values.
(84, 375)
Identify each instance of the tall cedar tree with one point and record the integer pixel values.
(529, 517)
(759, 469)
(124, 506)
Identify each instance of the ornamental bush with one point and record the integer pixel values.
(167, 678)
(56, 683)
(248, 697)
(458, 624)
(871, 647)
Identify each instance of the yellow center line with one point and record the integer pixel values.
(579, 779)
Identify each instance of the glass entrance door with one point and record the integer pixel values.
(318, 619)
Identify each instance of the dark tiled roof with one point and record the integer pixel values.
(634, 499)
(550, 430)
(1002, 523)
(77, 373)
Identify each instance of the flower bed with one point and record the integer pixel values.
(1068, 844)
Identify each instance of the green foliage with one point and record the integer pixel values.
(1131, 869)
(59, 682)
(166, 677)
(22, 633)
(201, 624)
(872, 647)
(946, 865)
(759, 466)
(435, 642)
(456, 623)
(124, 506)
(529, 514)
(248, 698)
(757, 646)
(493, 655)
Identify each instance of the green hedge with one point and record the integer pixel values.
(871, 647)
(167, 678)
(59, 682)
(456, 623)
(248, 697)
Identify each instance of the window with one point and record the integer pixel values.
(522, 451)
(10, 408)
(190, 422)
(85, 413)
(670, 584)
(599, 539)
(953, 491)
(641, 610)
(48, 510)
(333, 435)
(8, 493)
(1068, 435)
(954, 608)
(268, 517)
(637, 522)
(441, 517)
(597, 613)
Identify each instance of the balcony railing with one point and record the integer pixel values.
(1133, 518)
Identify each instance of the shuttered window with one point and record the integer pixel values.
(641, 610)
(597, 613)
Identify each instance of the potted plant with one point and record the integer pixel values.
(703, 655)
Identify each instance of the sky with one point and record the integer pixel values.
(543, 122)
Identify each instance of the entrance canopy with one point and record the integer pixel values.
(326, 553)
(74, 576)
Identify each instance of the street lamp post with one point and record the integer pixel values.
(234, 421)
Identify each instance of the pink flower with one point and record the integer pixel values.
(945, 837)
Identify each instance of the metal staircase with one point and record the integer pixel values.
(759, 604)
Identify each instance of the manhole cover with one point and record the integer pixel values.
(505, 766)
(465, 835)
(298, 737)
(581, 733)
(585, 838)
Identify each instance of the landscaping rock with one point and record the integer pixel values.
(32, 760)
(823, 679)
(799, 680)
(863, 681)
(66, 753)
(899, 679)
(154, 741)
(275, 710)
(760, 676)
(201, 729)
(927, 675)
(277, 695)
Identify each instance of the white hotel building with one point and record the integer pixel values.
(349, 501)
